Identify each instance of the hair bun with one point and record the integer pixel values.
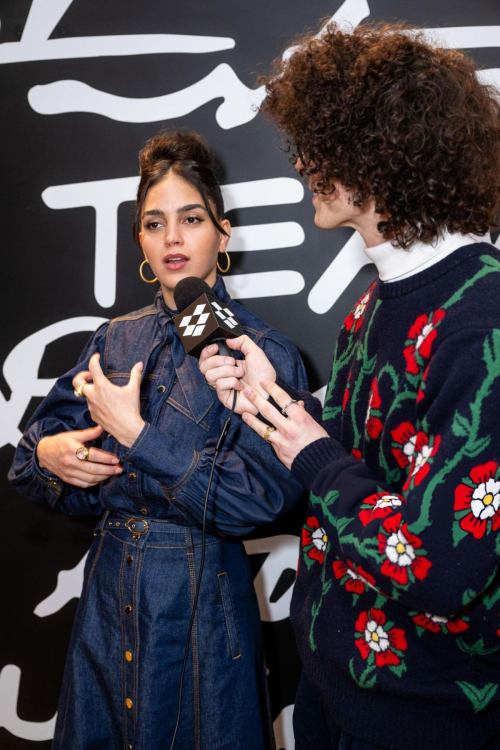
(179, 146)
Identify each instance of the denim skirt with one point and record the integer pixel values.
(122, 676)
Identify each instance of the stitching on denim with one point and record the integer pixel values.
(194, 638)
(219, 578)
(133, 317)
(182, 409)
(192, 466)
(65, 714)
(140, 441)
(135, 612)
(161, 546)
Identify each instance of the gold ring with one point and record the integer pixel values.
(79, 389)
(82, 453)
(267, 433)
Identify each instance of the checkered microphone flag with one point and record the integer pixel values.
(205, 321)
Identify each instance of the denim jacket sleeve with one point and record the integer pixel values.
(250, 487)
(60, 411)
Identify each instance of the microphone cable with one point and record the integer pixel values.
(218, 448)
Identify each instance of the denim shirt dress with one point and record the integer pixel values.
(121, 680)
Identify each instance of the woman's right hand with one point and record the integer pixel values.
(57, 453)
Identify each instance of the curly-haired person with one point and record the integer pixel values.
(397, 600)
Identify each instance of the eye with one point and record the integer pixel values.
(193, 219)
(152, 224)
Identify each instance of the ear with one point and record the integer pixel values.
(224, 239)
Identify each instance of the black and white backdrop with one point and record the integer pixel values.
(83, 83)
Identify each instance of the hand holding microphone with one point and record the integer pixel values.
(228, 375)
(206, 326)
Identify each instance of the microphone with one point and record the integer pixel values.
(203, 319)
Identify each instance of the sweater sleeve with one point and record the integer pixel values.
(250, 486)
(433, 545)
(60, 411)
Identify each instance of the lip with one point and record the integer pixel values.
(175, 265)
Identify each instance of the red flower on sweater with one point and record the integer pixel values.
(425, 449)
(355, 319)
(421, 389)
(373, 423)
(356, 453)
(479, 494)
(405, 560)
(314, 539)
(345, 399)
(379, 505)
(437, 624)
(371, 637)
(420, 339)
(355, 581)
(403, 447)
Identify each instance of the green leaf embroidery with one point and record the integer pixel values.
(363, 680)
(468, 596)
(398, 669)
(461, 425)
(475, 648)
(479, 697)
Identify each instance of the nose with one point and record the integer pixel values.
(174, 236)
(299, 164)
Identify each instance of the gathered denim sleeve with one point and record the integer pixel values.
(60, 411)
(250, 487)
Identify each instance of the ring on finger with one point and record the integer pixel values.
(288, 403)
(79, 389)
(82, 453)
(267, 433)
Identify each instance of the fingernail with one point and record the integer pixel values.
(228, 361)
(140, 366)
(115, 460)
(263, 382)
(247, 391)
(244, 417)
(118, 470)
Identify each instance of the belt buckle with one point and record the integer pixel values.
(131, 526)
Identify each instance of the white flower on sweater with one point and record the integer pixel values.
(486, 499)
(376, 637)
(423, 335)
(421, 458)
(319, 539)
(399, 550)
(361, 306)
(388, 501)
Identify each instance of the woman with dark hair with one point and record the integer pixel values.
(152, 425)
(395, 608)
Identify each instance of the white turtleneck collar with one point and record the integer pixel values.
(393, 263)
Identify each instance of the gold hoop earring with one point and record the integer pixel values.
(148, 281)
(225, 270)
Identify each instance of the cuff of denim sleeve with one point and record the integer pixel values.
(314, 457)
(162, 457)
(53, 485)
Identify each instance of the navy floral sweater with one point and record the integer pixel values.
(397, 600)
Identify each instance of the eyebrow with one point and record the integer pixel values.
(189, 207)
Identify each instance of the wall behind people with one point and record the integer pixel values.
(83, 84)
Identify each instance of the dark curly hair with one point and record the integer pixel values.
(189, 156)
(390, 117)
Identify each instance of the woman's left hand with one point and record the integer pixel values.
(293, 432)
(115, 408)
